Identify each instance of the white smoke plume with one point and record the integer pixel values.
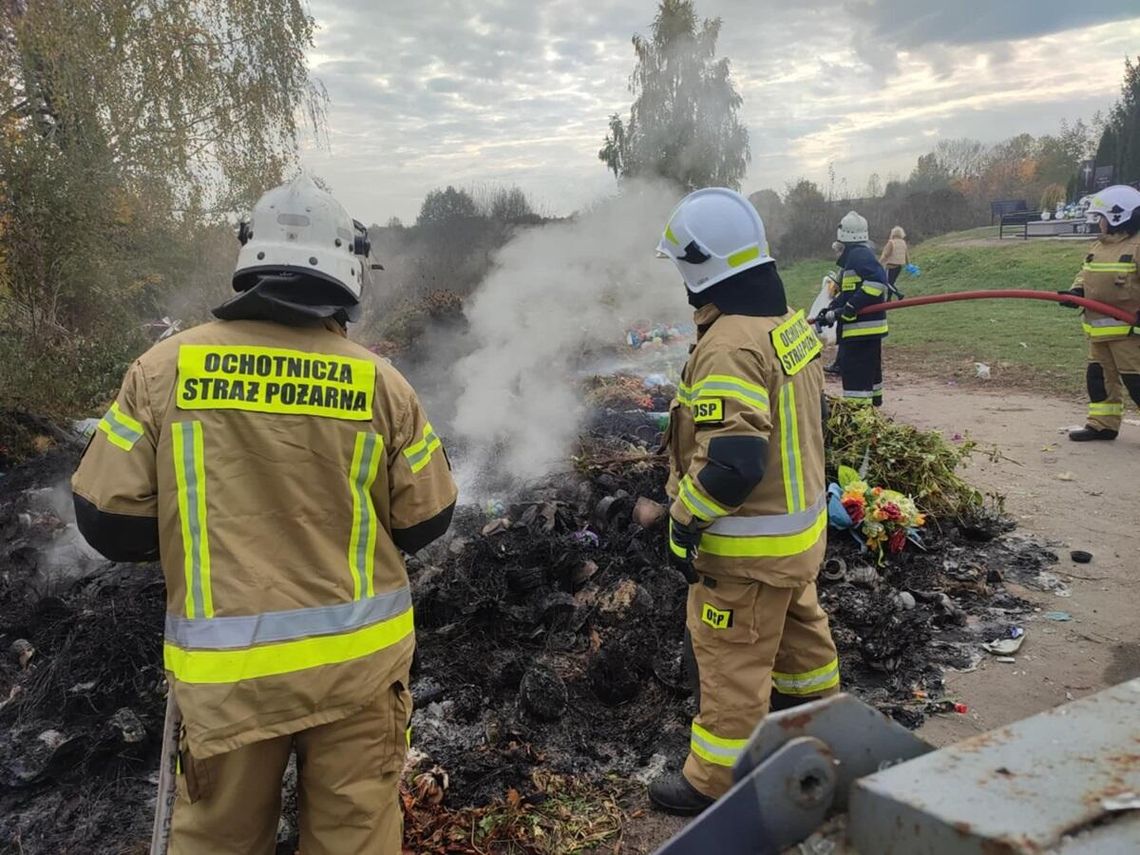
(555, 294)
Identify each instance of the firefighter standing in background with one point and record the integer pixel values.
(862, 283)
(277, 469)
(748, 520)
(1109, 275)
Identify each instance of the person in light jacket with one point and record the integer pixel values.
(895, 256)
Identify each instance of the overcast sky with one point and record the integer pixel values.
(477, 92)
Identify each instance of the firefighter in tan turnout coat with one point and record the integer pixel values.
(748, 519)
(277, 470)
(1109, 275)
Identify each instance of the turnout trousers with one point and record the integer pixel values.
(755, 647)
(861, 369)
(1114, 366)
(348, 775)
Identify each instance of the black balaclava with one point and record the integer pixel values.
(293, 299)
(757, 292)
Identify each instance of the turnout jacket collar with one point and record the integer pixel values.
(757, 292)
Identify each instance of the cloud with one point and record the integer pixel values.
(912, 24)
(512, 91)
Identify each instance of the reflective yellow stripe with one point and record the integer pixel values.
(674, 547)
(745, 255)
(1106, 409)
(190, 477)
(864, 328)
(365, 524)
(790, 450)
(419, 453)
(232, 666)
(873, 290)
(238, 632)
(1109, 267)
(408, 736)
(1094, 331)
(766, 546)
(131, 424)
(698, 503)
(724, 386)
(808, 682)
(669, 236)
(715, 749)
(121, 430)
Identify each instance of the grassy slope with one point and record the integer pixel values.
(1026, 343)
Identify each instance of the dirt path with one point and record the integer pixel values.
(1076, 497)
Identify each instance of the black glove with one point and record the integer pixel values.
(1072, 292)
(683, 542)
(825, 318)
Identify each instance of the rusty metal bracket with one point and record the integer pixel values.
(795, 770)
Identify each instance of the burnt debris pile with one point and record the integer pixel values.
(81, 682)
(549, 624)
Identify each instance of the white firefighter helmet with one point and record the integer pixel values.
(853, 229)
(299, 228)
(713, 234)
(1115, 204)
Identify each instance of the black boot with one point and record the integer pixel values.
(1090, 434)
(832, 369)
(674, 794)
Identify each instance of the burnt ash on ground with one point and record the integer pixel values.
(81, 681)
(552, 642)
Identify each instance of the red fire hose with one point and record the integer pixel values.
(1022, 294)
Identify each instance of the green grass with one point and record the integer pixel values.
(1026, 343)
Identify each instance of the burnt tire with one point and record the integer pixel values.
(543, 694)
(524, 579)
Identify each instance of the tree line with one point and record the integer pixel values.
(133, 132)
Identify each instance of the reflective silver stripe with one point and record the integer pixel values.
(776, 524)
(717, 754)
(819, 681)
(120, 428)
(709, 388)
(189, 469)
(227, 633)
(365, 512)
(1107, 322)
(425, 453)
(789, 439)
(858, 393)
(703, 508)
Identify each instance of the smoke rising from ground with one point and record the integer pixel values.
(556, 293)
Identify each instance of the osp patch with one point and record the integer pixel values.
(716, 618)
(708, 411)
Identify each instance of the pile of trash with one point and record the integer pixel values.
(81, 683)
(647, 334)
(549, 628)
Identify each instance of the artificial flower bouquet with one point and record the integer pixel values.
(882, 520)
